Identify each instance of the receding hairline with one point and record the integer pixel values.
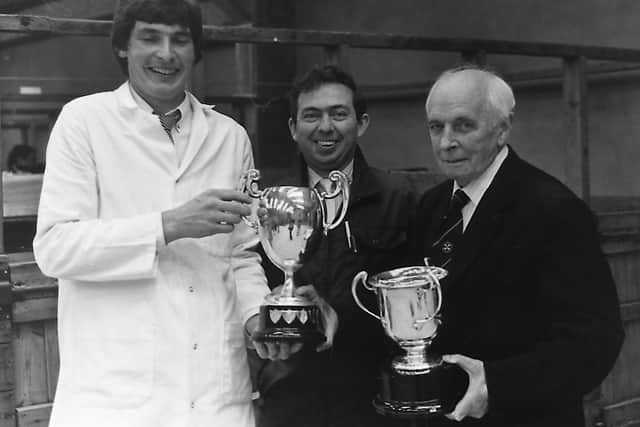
(497, 93)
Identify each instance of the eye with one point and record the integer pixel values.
(182, 39)
(435, 127)
(310, 116)
(340, 114)
(465, 126)
(149, 38)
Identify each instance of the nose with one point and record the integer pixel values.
(325, 125)
(448, 139)
(165, 48)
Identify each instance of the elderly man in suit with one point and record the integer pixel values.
(530, 309)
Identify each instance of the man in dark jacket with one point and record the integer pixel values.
(530, 309)
(335, 387)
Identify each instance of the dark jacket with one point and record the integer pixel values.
(530, 293)
(335, 387)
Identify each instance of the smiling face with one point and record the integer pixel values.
(160, 59)
(466, 132)
(326, 128)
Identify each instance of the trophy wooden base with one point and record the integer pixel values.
(431, 393)
(294, 323)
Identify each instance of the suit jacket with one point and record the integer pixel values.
(529, 293)
(335, 387)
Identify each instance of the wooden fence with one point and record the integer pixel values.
(28, 339)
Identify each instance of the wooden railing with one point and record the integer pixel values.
(28, 347)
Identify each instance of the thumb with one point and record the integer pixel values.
(460, 360)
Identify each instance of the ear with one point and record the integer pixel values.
(292, 128)
(363, 124)
(122, 53)
(503, 131)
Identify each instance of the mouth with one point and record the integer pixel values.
(326, 144)
(164, 71)
(453, 162)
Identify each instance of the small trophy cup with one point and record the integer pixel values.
(295, 219)
(417, 383)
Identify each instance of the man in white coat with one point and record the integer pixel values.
(140, 220)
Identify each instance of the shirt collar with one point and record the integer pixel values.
(315, 177)
(184, 107)
(476, 188)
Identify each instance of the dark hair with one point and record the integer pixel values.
(169, 12)
(319, 76)
(20, 152)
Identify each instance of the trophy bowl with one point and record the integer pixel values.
(417, 383)
(290, 230)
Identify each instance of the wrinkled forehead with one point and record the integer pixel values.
(456, 97)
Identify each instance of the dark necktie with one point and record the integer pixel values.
(169, 120)
(325, 185)
(450, 232)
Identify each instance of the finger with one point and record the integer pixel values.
(226, 218)
(307, 291)
(231, 195)
(261, 349)
(283, 350)
(296, 347)
(272, 350)
(462, 408)
(232, 207)
(472, 367)
(324, 346)
(460, 360)
(219, 228)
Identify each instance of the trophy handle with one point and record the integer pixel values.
(342, 186)
(362, 277)
(436, 283)
(249, 185)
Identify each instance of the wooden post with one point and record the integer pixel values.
(478, 57)
(7, 374)
(337, 54)
(576, 152)
(2, 165)
(245, 108)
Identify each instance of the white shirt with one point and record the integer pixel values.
(150, 335)
(476, 188)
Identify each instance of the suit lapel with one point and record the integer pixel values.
(487, 220)
(426, 226)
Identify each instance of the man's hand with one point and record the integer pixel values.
(328, 314)
(475, 402)
(270, 350)
(211, 212)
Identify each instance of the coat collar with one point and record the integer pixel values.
(199, 126)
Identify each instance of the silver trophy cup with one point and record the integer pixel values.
(417, 383)
(290, 230)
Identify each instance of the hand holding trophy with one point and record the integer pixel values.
(418, 383)
(294, 221)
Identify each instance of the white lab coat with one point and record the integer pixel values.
(150, 334)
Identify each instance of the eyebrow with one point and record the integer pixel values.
(330, 107)
(181, 32)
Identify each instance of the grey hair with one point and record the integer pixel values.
(499, 94)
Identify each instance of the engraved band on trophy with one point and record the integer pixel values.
(418, 383)
(290, 230)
